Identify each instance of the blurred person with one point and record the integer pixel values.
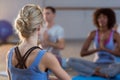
(27, 61)
(52, 34)
(107, 48)
(117, 28)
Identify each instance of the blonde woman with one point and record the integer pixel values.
(27, 61)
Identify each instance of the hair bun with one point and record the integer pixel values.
(29, 18)
(20, 24)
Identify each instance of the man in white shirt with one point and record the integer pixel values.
(52, 35)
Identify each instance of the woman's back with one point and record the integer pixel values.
(32, 72)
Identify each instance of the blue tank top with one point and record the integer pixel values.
(103, 56)
(31, 73)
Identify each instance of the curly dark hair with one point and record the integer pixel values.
(107, 12)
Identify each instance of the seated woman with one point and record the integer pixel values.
(107, 48)
(27, 61)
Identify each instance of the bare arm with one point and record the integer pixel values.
(52, 63)
(84, 50)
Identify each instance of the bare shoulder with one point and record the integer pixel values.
(116, 34)
(92, 34)
(49, 57)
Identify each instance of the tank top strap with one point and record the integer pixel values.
(112, 33)
(10, 53)
(38, 58)
(110, 37)
(97, 33)
(96, 37)
(22, 59)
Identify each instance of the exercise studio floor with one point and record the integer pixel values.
(72, 49)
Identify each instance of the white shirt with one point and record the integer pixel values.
(55, 33)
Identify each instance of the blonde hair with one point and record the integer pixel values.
(29, 19)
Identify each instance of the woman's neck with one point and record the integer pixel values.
(103, 29)
(30, 42)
